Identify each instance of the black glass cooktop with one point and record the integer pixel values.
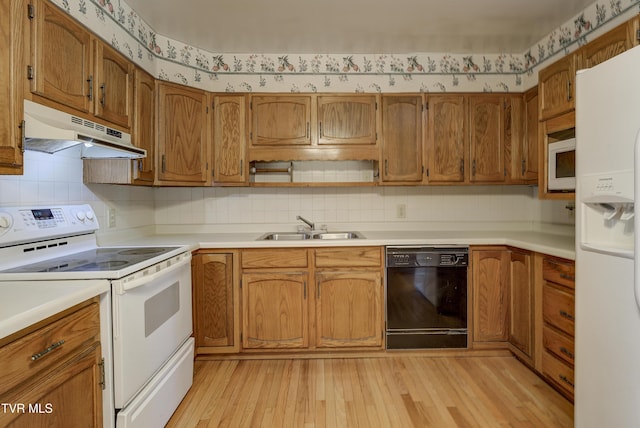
(96, 260)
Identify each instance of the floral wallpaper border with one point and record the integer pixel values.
(170, 60)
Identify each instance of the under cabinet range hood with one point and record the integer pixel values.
(49, 130)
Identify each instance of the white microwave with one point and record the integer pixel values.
(562, 166)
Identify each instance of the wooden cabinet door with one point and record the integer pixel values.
(402, 138)
(215, 303)
(274, 310)
(144, 126)
(62, 58)
(487, 127)
(281, 120)
(13, 54)
(610, 44)
(70, 396)
(529, 159)
(349, 309)
(347, 120)
(229, 139)
(490, 276)
(521, 301)
(447, 143)
(556, 86)
(183, 147)
(114, 86)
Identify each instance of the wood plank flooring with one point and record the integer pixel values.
(397, 391)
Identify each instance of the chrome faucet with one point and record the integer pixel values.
(312, 226)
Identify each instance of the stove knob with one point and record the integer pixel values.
(80, 215)
(90, 215)
(5, 221)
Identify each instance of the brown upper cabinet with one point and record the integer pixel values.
(183, 135)
(229, 139)
(347, 119)
(527, 157)
(557, 88)
(486, 138)
(614, 42)
(402, 139)
(469, 137)
(447, 138)
(144, 126)
(287, 127)
(280, 120)
(72, 68)
(13, 52)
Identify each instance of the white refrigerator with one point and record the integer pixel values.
(607, 336)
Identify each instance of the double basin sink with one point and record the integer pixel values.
(300, 236)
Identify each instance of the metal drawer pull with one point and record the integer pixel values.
(567, 276)
(566, 380)
(567, 315)
(41, 354)
(566, 352)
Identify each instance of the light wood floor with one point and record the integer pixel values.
(398, 391)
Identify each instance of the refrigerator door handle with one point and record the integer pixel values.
(636, 220)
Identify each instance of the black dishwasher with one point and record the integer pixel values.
(426, 297)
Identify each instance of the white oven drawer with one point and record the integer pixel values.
(155, 404)
(150, 322)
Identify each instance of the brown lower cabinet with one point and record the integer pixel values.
(288, 299)
(61, 387)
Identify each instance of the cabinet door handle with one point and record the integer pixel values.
(36, 357)
(386, 167)
(241, 166)
(567, 315)
(567, 276)
(164, 163)
(90, 80)
(523, 166)
(568, 90)
(305, 289)
(461, 166)
(318, 287)
(103, 97)
(566, 380)
(566, 352)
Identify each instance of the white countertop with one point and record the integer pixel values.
(28, 302)
(552, 244)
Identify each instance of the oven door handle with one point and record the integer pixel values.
(143, 277)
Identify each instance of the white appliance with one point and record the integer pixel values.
(146, 320)
(562, 165)
(49, 130)
(607, 367)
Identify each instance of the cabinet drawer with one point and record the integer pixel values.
(559, 344)
(274, 258)
(559, 272)
(349, 257)
(46, 347)
(558, 372)
(558, 308)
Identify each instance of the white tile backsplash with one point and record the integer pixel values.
(57, 179)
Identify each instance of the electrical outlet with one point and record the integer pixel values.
(112, 217)
(401, 211)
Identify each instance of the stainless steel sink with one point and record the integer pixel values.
(338, 235)
(284, 236)
(300, 236)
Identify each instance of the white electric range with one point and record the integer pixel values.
(146, 321)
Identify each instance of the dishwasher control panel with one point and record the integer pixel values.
(427, 256)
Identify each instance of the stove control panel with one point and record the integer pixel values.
(19, 224)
